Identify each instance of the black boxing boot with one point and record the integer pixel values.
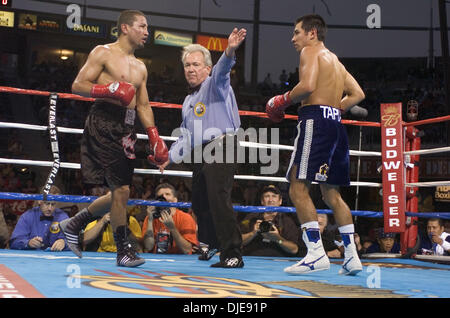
(230, 262)
(230, 259)
(72, 227)
(126, 255)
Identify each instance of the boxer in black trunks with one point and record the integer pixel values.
(321, 151)
(114, 76)
(107, 148)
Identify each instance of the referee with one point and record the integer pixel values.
(210, 120)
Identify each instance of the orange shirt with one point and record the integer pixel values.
(184, 223)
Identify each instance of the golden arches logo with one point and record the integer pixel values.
(214, 44)
(181, 285)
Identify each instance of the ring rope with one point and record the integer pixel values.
(242, 143)
(14, 90)
(175, 173)
(428, 184)
(238, 208)
(427, 151)
(427, 121)
(187, 174)
(169, 138)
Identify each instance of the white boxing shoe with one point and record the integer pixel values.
(316, 259)
(351, 266)
(309, 264)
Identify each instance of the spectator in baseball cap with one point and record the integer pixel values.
(385, 243)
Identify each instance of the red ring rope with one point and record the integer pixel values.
(5, 89)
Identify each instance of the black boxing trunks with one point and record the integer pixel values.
(321, 151)
(107, 147)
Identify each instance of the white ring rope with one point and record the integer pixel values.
(65, 130)
(143, 136)
(189, 174)
(428, 184)
(427, 151)
(242, 143)
(176, 173)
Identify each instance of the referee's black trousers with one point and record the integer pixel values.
(212, 184)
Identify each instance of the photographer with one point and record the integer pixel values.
(167, 229)
(269, 233)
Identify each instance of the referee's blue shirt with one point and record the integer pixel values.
(209, 112)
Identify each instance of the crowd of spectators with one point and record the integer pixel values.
(280, 236)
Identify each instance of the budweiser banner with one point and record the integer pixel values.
(393, 169)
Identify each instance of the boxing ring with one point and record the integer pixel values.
(61, 274)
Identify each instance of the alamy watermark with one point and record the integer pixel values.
(374, 19)
(73, 279)
(226, 148)
(74, 17)
(374, 279)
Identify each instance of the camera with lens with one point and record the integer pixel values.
(265, 226)
(160, 209)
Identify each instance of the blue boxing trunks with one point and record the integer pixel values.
(321, 151)
(107, 146)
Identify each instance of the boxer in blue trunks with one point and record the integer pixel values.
(321, 153)
(321, 147)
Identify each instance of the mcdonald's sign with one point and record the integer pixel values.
(213, 43)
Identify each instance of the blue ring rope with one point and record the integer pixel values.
(238, 208)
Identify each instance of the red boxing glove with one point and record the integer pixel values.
(276, 105)
(158, 146)
(121, 91)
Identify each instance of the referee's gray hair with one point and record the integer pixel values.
(188, 49)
